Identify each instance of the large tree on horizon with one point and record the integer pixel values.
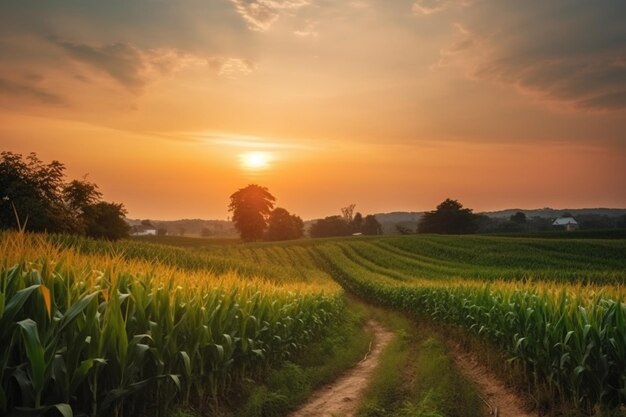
(448, 218)
(251, 207)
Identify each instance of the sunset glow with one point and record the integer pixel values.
(255, 160)
(390, 105)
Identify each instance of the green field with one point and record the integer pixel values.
(561, 320)
(138, 327)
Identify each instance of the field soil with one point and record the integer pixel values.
(503, 401)
(342, 397)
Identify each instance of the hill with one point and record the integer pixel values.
(548, 212)
(590, 218)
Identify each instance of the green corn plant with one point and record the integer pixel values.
(91, 330)
(568, 340)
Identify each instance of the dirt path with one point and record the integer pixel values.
(341, 398)
(502, 400)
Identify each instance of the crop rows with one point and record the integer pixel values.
(283, 266)
(99, 332)
(491, 258)
(568, 337)
(98, 329)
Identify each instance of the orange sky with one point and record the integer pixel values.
(390, 106)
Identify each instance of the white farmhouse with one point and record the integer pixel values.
(566, 221)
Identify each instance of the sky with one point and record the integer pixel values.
(171, 106)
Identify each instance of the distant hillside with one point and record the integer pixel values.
(394, 221)
(553, 213)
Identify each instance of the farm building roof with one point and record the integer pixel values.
(564, 221)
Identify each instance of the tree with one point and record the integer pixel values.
(44, 201)
(161, 231)
(346, 224)
(330, 226)
(106, 220)
(519, 218)
(284, 226)
(33, 190)
(371, 226)
(357, 222)
(251, 207)
(347, 212)
(449, 218)
(79, 195)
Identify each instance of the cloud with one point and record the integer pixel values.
(231, 67)
(308, 31)
(122, 62)
(261, 14)
(135, 68)
(30, 92)
(250, 142)
(610, 101)
(572, 54)
(428, 7)
(130, 66)
(235, 140)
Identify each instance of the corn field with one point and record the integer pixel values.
(98, 329)
(568, 337)
(105, 334)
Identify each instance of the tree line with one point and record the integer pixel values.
(348, 223)
(450, 217)
(38, 197)
(256, 219)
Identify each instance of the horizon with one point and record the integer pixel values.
(129, 218)
(394, 107)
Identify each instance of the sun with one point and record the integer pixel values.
(255, 160)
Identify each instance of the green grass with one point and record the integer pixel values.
(416, 377)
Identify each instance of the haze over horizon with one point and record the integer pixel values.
(171, 107)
